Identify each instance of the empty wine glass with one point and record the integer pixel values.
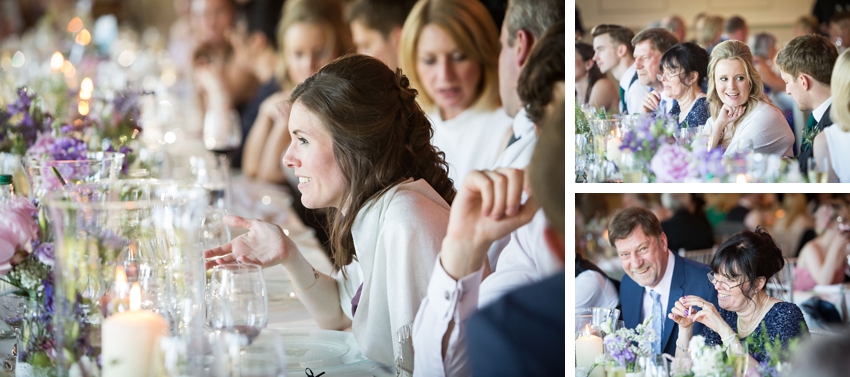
(222, 132)
(238, 300)
(214, 232)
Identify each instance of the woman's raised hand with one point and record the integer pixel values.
(729, 114)
(264, 244)
(707, 313)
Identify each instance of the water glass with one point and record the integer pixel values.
(404, 345)
(630, 168)
(238, 300)
(653, 366)
(214, 232)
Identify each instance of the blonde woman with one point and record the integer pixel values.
(742, 117)
(311, 34)
(822, 260)
(450, 52)
(831, 144)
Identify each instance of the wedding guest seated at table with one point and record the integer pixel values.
(763, 47)
(376, 27)
(361, 148)
(213, 19)
(541, 82)
(709, 30)
(805, 65)
(450, 51)
(594, 289)
(790, 231)
(742, 117)
(830, 145)
(839, 30)
(735, 28)
(687, 229)
(683, 71)
(740, 270)
(676, 25)
(592, 87)
(310, 34)
(650, 45)
(655, 277)
(805, 25)
(614, 54)
(822, 260)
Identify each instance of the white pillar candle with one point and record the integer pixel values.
(129, 339)
(589, 347)
(612, 149)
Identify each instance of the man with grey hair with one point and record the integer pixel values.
(675, 24)
(688, 228)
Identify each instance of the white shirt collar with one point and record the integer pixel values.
(663, 287)
(818, 113)
(521, 123)
(626, 79)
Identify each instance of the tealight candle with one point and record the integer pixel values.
(130, 338)
(588, 348)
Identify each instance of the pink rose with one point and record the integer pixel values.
(672, 163)
(17, 227)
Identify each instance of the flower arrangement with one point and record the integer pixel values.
(624, 346)
(775, 354)
(649, 133)
(710, 361)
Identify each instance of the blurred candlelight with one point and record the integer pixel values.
(86, 88)
(741, 178)
(56, 61)
(75, 25)
(84, 37)
(68, 69)
(83, 108)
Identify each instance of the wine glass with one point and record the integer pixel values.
(239, 302)
(214, 232)
(818, 171)
(222, 132)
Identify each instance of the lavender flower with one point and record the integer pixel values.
(45, 253)
(68, 148)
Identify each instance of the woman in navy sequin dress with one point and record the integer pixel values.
(684, 69)
(740, 270)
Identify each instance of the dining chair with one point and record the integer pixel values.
(703, 255)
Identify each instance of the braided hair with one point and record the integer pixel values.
(381, 137)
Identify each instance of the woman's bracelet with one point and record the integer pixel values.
(315, 274)
(727, 338)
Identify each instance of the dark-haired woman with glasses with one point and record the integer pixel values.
(683, 72)
(740, 271)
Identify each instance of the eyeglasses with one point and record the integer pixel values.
(723, 284)
(667, 75)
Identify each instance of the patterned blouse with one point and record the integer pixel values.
(698, 114)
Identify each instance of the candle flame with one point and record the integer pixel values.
(86, 87)
(741, 179)
(56, 61)
(83, 108)
(135, 297)
(120, 276)
(587, 330)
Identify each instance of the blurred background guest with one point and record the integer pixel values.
(790, 230)
(831, 144)
(675, 24)
(839, 30)
(822, 260)
(687, 229)
(376, 27)
(763, 47)
(735, 28)
(709, 29)
(805, 25)
(651, 202)
(592, 87)
(450, 52)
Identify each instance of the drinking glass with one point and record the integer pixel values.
(653, 366)
(211, 171)
(239, 302)
(214, 232)
(630, 168)
(222, 132)
(404, 344)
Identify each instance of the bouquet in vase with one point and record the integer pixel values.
(649, 133)
(624, 347)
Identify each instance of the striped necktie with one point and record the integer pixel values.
(657, 321)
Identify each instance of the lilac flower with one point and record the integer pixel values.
(44, 252)
(672, 163)
(69, 148)
(42, 146)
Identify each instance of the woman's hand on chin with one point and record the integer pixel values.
(265, 244)
(729, 114)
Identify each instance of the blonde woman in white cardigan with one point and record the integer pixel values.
(361, 148)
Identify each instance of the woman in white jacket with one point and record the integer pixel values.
(361, 148)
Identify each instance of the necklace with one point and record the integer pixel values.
(752, 325)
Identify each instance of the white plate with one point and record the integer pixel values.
(320, 350)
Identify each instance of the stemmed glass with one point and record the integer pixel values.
(222, 136)
(238, 300)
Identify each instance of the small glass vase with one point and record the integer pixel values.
(35, 356)
(97, 166)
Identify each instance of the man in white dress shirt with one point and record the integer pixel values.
(650, 45)
(805, 64)
(614, 53)
(453, 296)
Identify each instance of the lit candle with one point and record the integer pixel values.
(588, 348)
(86, 88)
(56, 61)
(612, 149)
(130, 338)
(741, 178)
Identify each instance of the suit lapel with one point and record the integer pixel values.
(677, 290)
(825, 120)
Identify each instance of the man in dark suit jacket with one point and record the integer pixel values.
(805, 65)
(651, 269)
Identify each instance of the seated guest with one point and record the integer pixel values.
(683, 69)
(822, 260)
(650, 45)
(831, 144)
(450, 50)
(763, 46)
(311, 33)
(709, 30)
(740, 271)
(592, 87)
(805, 65)
(791, 231)
(686, 229)
(736, 29)
(614, 54)
(742, 117)
(525, 259)
(387, 198)
(839, 30)
(805, 25)
(655, 277)
(594, 289)
(676, 25)
(514, 336)
(376, 27)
